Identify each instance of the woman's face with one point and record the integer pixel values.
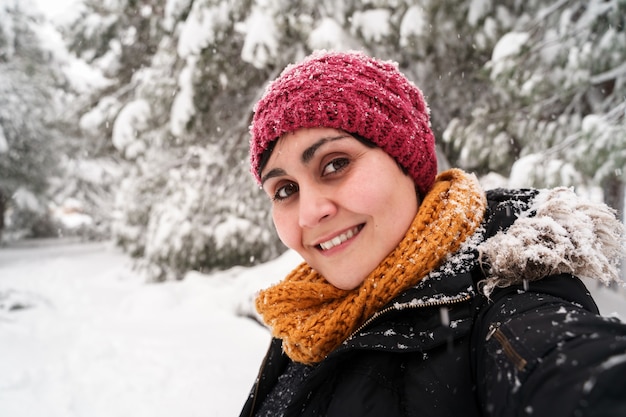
(341, 205)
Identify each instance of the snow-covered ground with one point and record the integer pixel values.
(82, 335)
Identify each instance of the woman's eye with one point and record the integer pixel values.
(285, 191)
(335, 165)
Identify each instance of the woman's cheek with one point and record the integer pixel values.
(286, 231)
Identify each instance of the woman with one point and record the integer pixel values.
(420, 294)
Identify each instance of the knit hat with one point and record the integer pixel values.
(353, 92)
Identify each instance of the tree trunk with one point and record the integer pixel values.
(3, 204)
(613, 188)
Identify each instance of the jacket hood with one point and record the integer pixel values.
(558, 232)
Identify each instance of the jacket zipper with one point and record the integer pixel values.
(376, 315)
(517, 359)
(427, 304)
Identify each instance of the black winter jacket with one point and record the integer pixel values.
(441, 349)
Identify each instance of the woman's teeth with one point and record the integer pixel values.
(338, 240)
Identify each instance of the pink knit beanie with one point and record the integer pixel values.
(355, 93)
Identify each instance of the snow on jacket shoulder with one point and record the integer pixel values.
(540, 348)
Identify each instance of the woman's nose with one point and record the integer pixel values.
(315, 206)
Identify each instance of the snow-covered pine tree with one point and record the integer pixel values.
(28, 156)
(111, 41)
(555, 109)
(180, 123)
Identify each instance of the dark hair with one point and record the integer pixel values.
(265, 156)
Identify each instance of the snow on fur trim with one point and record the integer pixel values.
(560, 233)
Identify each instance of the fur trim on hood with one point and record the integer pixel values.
(559, 233)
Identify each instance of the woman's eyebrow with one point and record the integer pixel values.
(309, 152)
(276, 172)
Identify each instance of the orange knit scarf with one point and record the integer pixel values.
(313, 317)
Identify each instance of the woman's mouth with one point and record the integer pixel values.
(338, 240)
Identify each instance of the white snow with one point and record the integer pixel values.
(530, 167)
(508, 46)
(59, 11)
(24, 198)
(329, 34)
(477, 10)
(82, 335)
(200, 28)
(105, 110)
(4, 145)
(261, 42)
(183, 108)
(131, 120)
(172, 10)
(414, 23)
(81, 76)
(373, 24)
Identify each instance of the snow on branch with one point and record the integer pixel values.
(609, 75)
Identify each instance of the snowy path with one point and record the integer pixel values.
(82, 335)
(93, 340)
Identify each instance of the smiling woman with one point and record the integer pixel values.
(334, 202)
(417, 288)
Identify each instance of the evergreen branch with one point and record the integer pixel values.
(609, 75)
